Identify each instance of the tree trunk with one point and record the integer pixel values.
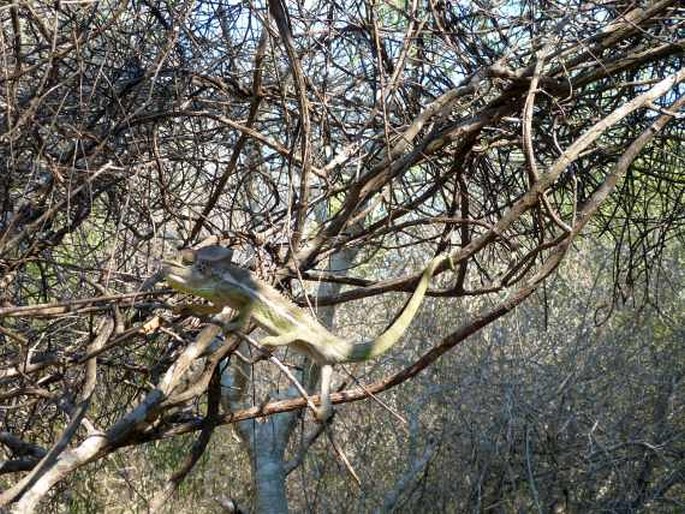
(266, 442)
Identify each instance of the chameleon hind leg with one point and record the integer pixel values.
(280, 340)
(323, 413)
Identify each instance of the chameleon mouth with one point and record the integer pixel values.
(178, 279)
(174, 272)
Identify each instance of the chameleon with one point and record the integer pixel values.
(209, 273)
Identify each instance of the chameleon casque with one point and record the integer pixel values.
(209, 273)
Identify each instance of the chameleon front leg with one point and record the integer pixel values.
(237, 323)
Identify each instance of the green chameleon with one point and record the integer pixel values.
(209, 273)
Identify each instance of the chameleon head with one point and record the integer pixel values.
(198, 273)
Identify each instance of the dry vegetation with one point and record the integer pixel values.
(337, 146)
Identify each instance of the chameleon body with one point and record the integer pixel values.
(210, 274)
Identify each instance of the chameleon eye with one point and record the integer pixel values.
(187, 256)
